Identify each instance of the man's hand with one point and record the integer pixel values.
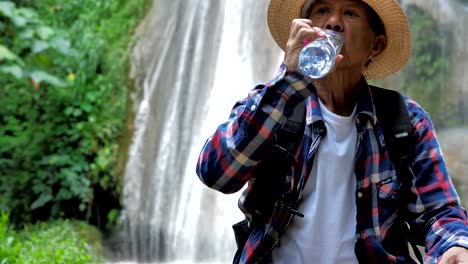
(455, 255)
(302, 32)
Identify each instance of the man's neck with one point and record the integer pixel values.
(339, 92)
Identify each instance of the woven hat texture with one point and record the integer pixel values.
(392, 59)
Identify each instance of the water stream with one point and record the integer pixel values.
(192, 60)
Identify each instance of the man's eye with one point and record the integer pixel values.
(350, 13)
(322, 10)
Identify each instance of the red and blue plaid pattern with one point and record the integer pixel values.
(229, 158)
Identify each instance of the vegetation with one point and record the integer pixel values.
(426, 77)
(56, 242)
(64, 94)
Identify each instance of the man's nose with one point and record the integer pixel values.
(334, 22)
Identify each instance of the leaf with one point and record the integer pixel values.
(77, 112)
(40, 76)
(43, 60)
(41, 201)
(27, 13)
(6, 54)
(39, 46)
(92, 96)
(10, 241)
(4, 217)
(62, 45)
(45, 32)
(27, 33)
(69, 110)
(19, 21)
(13, 70)
(7, 8)
(64, 194)
(113, 215)
(86, 107)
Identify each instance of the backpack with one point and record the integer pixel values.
(393, 116)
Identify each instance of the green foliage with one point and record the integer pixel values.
(29, 45)
(426, 76)
(55, 242)
(30, 95)
(64, 89)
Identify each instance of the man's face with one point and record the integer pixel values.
(351, 19)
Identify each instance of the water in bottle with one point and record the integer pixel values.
(318, 57)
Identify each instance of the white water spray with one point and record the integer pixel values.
(192, 61)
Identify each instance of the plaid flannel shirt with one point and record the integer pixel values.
(229, 158)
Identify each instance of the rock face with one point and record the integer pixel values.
(454, 144)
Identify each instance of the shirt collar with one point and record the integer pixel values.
(365, 106)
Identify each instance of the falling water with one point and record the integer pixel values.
(192, 60)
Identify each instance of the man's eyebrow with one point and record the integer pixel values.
(319, 2)
(355, 3)
(351, 3)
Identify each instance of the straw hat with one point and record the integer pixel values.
(393, 57)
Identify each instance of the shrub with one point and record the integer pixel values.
(56, 242)
(64, 90)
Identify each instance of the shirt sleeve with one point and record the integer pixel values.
(437, 208)
(229, 157)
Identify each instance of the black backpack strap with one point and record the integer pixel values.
(392, 114)
(267, 188)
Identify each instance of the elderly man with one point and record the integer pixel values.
(349, 207)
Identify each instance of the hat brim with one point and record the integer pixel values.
(393, 58)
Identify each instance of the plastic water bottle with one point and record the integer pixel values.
(318, 57)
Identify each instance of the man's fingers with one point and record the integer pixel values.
(302, 31)
(309, 34)
(298, 24)
(299, 27)
(303, 36)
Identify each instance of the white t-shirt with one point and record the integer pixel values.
(326, 234)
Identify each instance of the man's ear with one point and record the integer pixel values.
(379, 44)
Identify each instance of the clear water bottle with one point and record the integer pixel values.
(317, 58)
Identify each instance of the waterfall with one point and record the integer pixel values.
(192, 60)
